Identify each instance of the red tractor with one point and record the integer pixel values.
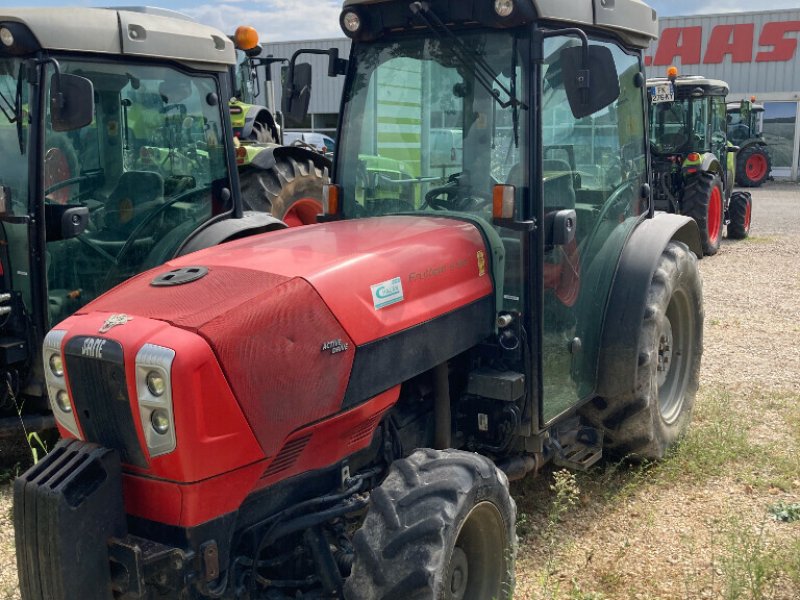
(336, 410)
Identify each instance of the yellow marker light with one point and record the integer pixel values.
(672, 72)
(245, 38)
(503, 197)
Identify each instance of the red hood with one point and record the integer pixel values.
(441, 264)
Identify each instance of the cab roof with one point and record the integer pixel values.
(633, 21)
(737, 106)
(134, 32)
(685, 83)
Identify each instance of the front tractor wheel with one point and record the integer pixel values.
(740, 208)
(440, 527)
(644, 422)
(753, 165)
(702, 200)
(290, 190)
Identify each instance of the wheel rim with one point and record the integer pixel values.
(756, 167)
(714, 215)
(674, 356)
(302, 212)
(747, 210)
(478, 563)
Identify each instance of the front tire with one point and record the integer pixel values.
(648, 419)
(440, 527)
(703, 201)
(753, 166)
(290, 190)
(740, 210)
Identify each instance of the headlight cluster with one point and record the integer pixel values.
(60, 402)
(154, 394)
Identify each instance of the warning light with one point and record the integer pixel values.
(245, 38)
(693, 157)
(672, 72)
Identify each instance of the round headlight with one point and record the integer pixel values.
(62, 399)
(160, 421)
(156, 383)
(503, 7)
(56, 365)
(6, 37)
(351, 21)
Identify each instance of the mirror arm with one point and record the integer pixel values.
(57, 68)
(582, 76)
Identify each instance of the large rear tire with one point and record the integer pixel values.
(290, 190)
(703, 201)
(753, 165)
(740, 210)
(440, 527)
(645, 421)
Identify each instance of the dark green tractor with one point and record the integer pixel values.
(746, 130)
(693, 162)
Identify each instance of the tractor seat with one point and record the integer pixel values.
(137, 194)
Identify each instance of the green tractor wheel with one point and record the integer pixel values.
(703, 201)
(290, 190)
(740, 208)
(753, 165)
(644, 422)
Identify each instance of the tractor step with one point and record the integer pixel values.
(578, 457)
(576, 446)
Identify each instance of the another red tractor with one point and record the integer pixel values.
(336, 410)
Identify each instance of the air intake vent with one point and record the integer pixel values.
(179, 276)
(287, 456)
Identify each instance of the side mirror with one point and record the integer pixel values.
(71, 102)
(63, 222)
(590, 79)
(297, 92)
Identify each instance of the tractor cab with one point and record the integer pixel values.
(693, 162)
(115, 155)
(746, 130)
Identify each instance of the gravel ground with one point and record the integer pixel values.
(635, 534)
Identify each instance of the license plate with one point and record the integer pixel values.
(663, 92)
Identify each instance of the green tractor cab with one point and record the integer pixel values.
(746, 130)
(693, 161)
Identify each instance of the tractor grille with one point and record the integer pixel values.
(102, 406)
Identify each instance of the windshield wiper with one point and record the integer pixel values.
(482, 70)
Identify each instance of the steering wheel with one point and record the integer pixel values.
(120, 259)
(451, 190)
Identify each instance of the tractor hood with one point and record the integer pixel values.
(377, 276)
(310, 321)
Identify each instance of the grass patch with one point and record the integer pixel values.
(716, 439)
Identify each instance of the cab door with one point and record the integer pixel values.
(595, 166)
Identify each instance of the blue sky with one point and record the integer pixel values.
(278, 20)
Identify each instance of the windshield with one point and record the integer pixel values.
(680, 126)
(151, 168)
(14, 163)
(418, 131)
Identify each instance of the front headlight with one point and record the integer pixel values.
(154, 393)
(60, 402)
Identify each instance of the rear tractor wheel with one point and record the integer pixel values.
(645, 421)
(440, 527)
(703, 201)
(290, 190)
(740, 208)
(753, 165)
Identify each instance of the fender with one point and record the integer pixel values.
(620, 337)
(262, 115)
(251, 223)
(710, 163)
